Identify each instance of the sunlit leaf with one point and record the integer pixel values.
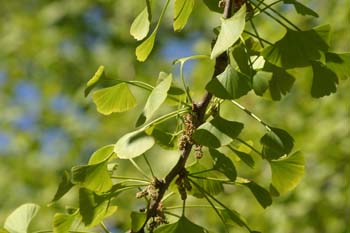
(63, 222)
(117, 98)
(94, 177)
(145, 48)
(260, 194)
(133, 144)
(230, 84)
(223, 164)
(287, 172)
(64, 186)
(231, 29)
(217, 132)
(155, 100)
(298, 48)
(324, 80)
(19, 220)
(137, 221)
(94, 80)
(94, 208)
(140, 26)
(276, 143)
(300, 8)
(181, 226)
(182, 11)
(102, 154)
(339, 63)
(210, 186)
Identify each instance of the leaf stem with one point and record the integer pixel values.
(172, 214)
(167, 196)
(166, 117)
(206, 195)
(148, 164)
(162, 14)
(277, 13)
(130, 179)
(103, 226)
(139, 169)
(200, 172)
(149, 87)
(256, 33)
(247, 144)
(251, 115)
(259, 38)
(187, 91)
(268, 5)
(191, 206)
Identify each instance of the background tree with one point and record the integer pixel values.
(54, 42)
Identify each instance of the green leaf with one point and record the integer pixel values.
(155, 99)
(94, 80)
(298, 48)
(287, 172)
(94, 176)
(232, 217)
(63, 222)
(217, 132)
(300, 8)
(102, 154)
(94, 208)
(280, 83)
(230, 84)
(117, 98)
(145, 48)
(276, 143)
(223, 164)
(213, 5)
(324, 80)
(261, 82)
(260, 194)
(231, 30)
(181, 226)
(241, 57)
(182, 11)
(133, 144)
(339, 63)
(210, 186)
(19, 220)
(64, 186)
(140, 26)
(137, 221)
(245, 157)
(164, 139)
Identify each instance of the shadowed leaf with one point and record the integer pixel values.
(230, 84)
(298, 48)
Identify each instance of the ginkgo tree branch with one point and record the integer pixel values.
(199, 110)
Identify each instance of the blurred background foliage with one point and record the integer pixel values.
(49, 49)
